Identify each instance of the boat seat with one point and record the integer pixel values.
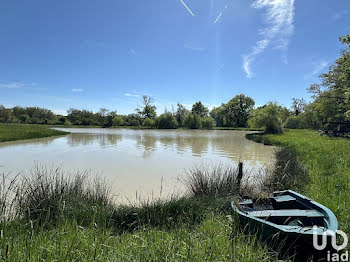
(284, 198)
(285, 202)
(247, 203)
(286, 213)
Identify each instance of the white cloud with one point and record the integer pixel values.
(12, 85)
(246, 66)
(131, 95)
(316, 67)
(279, 17)
(16, 85)
(77, 90)
(319, 67)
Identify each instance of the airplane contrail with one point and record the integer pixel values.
(188, 9)
(217, 19)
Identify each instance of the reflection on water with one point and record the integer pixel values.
(135, 160)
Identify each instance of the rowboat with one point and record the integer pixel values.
(287, 218)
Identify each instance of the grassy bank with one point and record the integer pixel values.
(328, 163)
(238, 128)
(211, 240)
(13, 132)
(70, 217)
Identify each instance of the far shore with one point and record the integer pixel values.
(16, 132)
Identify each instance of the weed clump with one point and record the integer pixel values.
(49, 195)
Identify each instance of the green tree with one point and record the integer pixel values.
(332, 96)
(166, 121)
(237, 110)
(132, 120)
(218, 114)
(192, 121)
(147, 110)
(208, 122)
(149, 122)
(109, 119)
(180, 114)
(101, 116)
(18, 111)
(199, 109)
(118, 121)
(269, 117)
(84, 117)
(5, 114)
(292, 122)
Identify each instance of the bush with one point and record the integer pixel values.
(293, 122)
(167, 121)
(208, 122)
(268, 117)
(135, 122)
(309, 119)
(149, 122)
(118, 121)
(67, 123)
(192, 121)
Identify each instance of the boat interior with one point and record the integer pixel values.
(283, 210)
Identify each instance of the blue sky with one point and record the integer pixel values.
(108, 53)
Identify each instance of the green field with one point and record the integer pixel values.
(328, 162)
(13, 132)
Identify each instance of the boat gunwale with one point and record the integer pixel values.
(330, 218)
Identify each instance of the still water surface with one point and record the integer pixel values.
(148, 162)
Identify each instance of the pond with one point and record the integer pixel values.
(143, 163)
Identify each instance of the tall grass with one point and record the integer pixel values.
(287, 172)
(47, 194)
(65, 217)
(8, 197)
(218, 180)
(214, 239)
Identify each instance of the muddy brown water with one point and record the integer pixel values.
(143, 163)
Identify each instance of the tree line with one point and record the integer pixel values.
(238, 112)
(331, 103)
(234, 113)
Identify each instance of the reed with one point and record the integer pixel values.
(217, 180)
(287, 173)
